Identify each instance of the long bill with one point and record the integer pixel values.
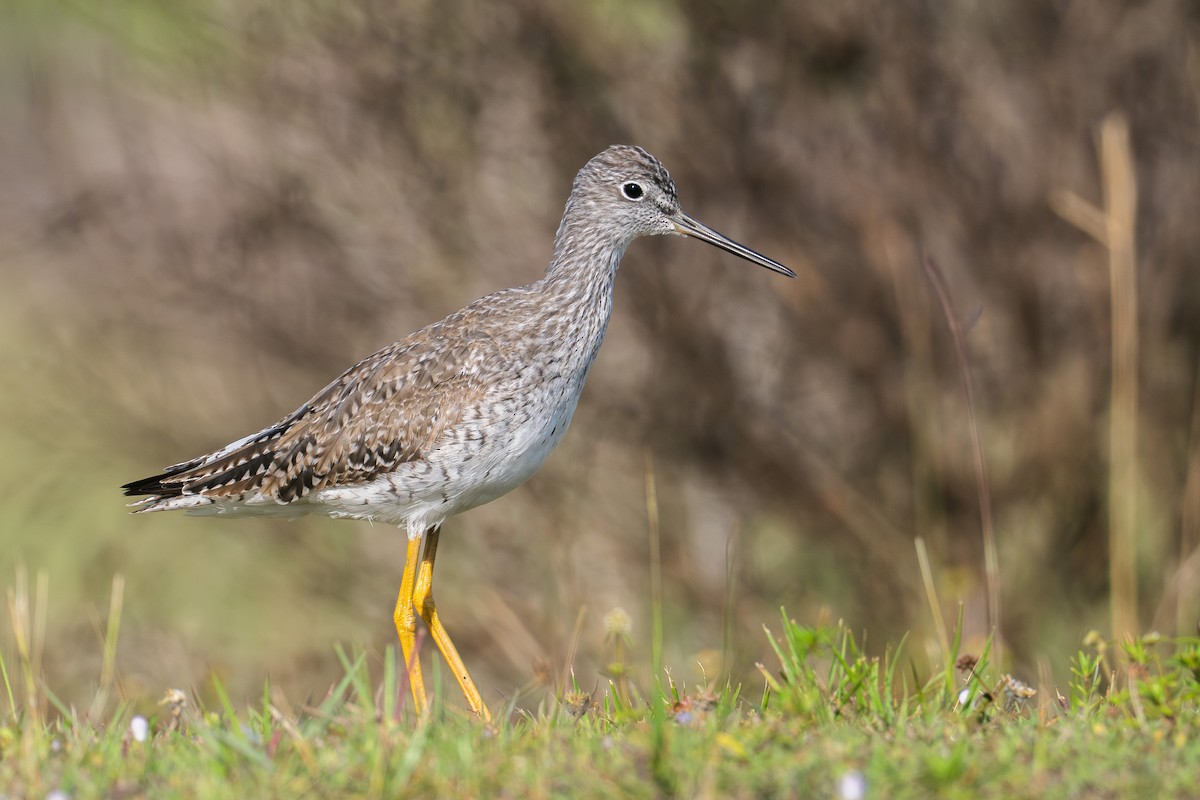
(686, 226)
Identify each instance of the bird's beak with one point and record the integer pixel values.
(686, 226)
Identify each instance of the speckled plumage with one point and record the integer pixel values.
(463, 410)
(456, 414)
(446, 419)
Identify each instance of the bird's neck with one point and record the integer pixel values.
(586, 257)
(584, 251)
(580, 279)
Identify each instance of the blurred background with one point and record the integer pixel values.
(208, 209)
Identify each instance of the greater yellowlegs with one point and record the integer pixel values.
(458, 413)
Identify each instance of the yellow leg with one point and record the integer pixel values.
(406, 625)
(423, 601)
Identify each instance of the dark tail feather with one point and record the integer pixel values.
(245, 459)
(159, 484)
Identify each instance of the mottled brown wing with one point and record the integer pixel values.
(390, 408)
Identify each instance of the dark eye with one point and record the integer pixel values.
(632, 190)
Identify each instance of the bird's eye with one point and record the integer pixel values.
(632, 190)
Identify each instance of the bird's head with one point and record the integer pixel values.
(624, 192)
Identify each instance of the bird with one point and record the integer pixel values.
(456, 414)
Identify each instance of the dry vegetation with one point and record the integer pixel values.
(208, 209)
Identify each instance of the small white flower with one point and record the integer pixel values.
(139, 727)
(617, 623)
(852, 786)
(963, 696)
(58, 794)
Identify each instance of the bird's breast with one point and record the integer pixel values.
(514, 434)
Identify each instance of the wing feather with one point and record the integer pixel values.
(392, 407)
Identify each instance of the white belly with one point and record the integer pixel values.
(482, 461)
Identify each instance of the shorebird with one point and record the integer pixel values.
(456, 414)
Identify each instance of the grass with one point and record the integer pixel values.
(826, 721)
